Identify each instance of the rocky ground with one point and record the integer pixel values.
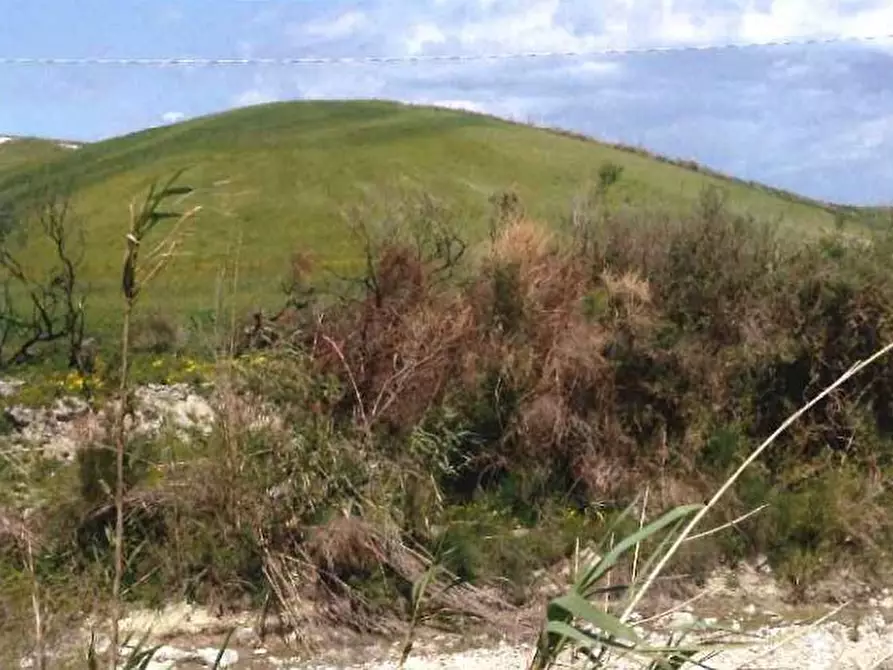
(767, 632)
(57, 428)
(849, 643)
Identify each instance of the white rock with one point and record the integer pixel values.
(208, 656)
(681, 620)
(167, 653)
(9, 387)
(159, 665)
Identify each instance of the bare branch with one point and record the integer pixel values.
(54, 306)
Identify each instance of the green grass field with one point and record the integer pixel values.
(274, 179)
(23, 152)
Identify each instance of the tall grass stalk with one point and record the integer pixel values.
(417, 597)
(855, 369)
(39, 644)
(134, 280)
(574, 619)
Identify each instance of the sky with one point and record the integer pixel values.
(816, 119)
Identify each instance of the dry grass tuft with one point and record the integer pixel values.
(346, 546)
(15, 532)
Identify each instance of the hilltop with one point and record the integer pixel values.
(274, 179)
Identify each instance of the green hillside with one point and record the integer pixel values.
(23, 152)
(278, 176)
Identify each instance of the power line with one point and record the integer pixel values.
(358, 60)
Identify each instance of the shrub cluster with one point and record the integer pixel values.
(449, 394)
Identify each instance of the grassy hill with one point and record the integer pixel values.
(277, 177)
(24, 152)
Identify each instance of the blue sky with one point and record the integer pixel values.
(815, 119)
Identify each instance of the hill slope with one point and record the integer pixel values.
(278, 175)
(22, 152)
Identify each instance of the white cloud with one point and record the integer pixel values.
(876, 132)
(597, 67)
(255, 96)
(583, 25)
(531, 27)
(343, 25)
(172, 117)
(688, 28)
(862, 140)
(808, 18)
(387, 27)
(467, 105)
(421, 35)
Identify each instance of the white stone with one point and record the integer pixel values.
(681, 620)
(208, 656)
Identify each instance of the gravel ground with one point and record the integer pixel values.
(865, 645)
(830, 646)
(859, 636)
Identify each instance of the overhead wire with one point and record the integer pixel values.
(187, 61)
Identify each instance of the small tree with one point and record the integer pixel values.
(39, 304)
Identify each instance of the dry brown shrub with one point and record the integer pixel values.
(566, 420)
(630, 297)
(604, 475)
(628, 287)
(575, 375)
(401, 277)
(346, 546)
(548, 280)
(427, 356)
(523, 241)
(333, 554)
(399, 349)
